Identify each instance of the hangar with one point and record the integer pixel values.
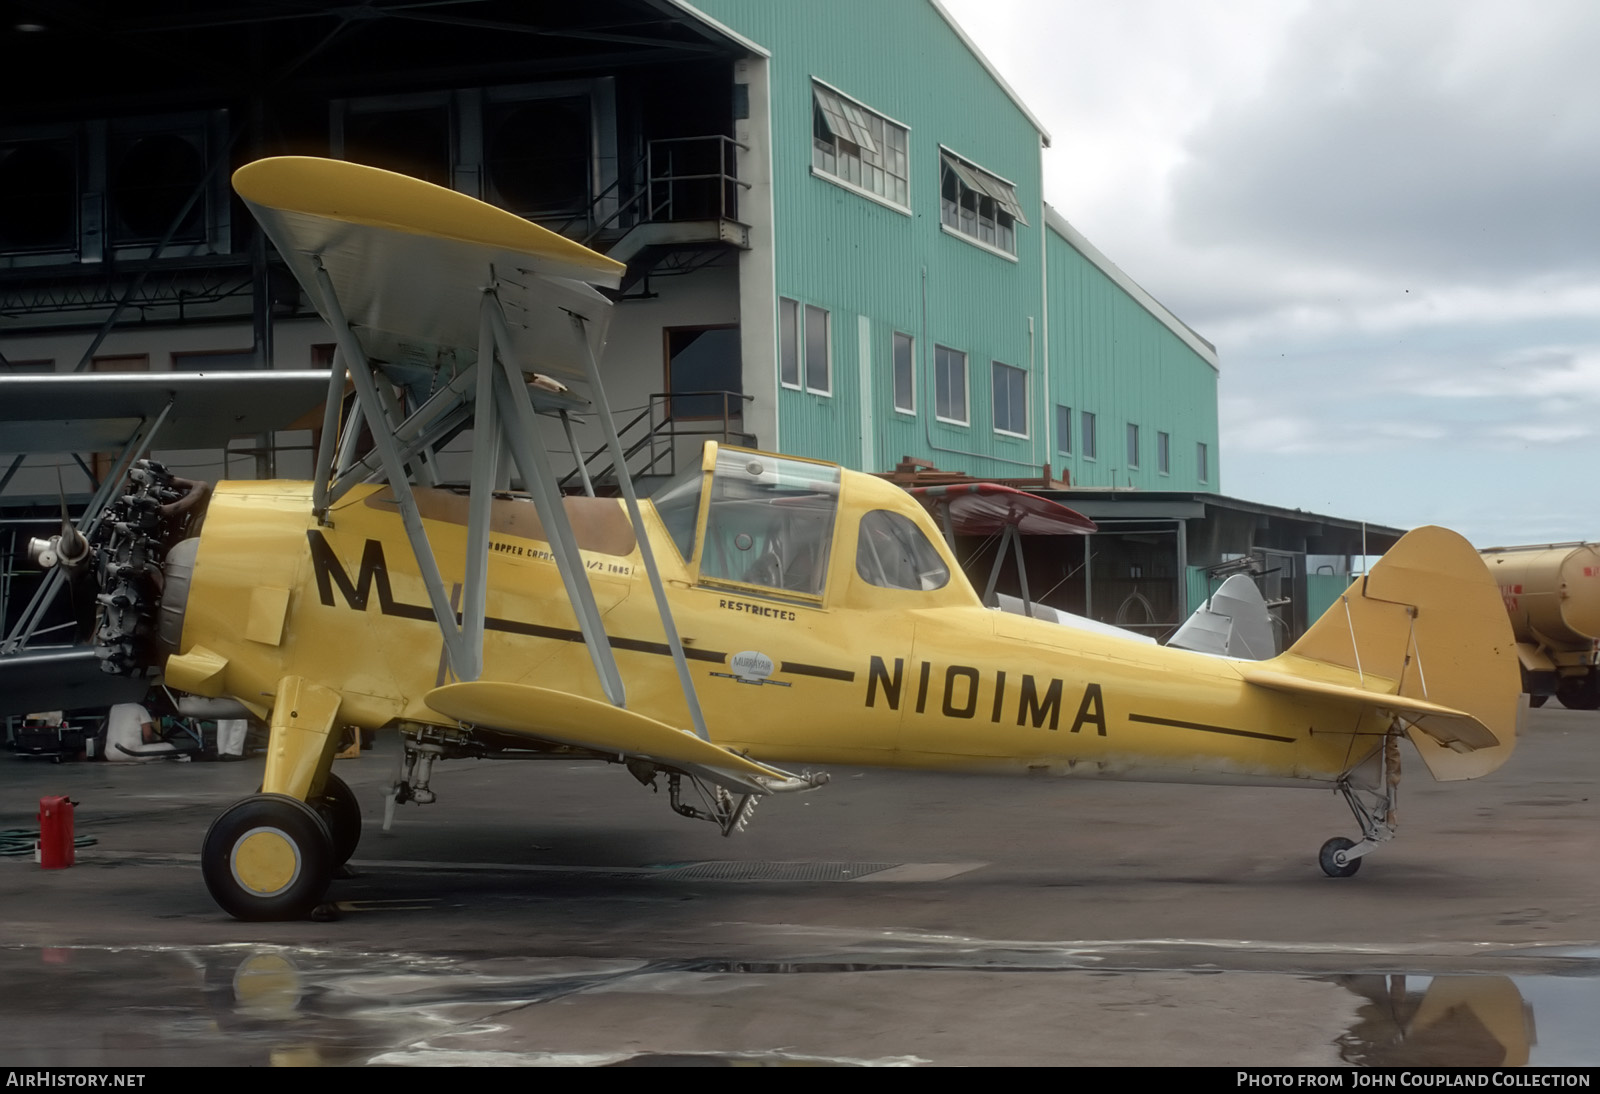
(837, 246)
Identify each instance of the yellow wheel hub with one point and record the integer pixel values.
(265, 861)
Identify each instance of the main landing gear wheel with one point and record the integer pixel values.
(268, 857)
(339, 810)
(1331, 858)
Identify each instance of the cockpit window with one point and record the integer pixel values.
(678, 505)
(770, 523)
(892, 553)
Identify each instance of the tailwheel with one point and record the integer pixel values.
(339, 810)
(1333, 860)
(268, 857)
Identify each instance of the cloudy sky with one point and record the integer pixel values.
(1385, 216)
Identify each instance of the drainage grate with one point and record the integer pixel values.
(772, 871)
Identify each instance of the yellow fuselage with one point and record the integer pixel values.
(858, 674)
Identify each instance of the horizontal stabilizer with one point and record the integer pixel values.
(1455, 729)
(589, 723)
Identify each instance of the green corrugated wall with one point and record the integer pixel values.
(856, 258)
(1111, 357)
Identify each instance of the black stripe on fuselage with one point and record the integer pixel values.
(1204, 728)
(373, 576)
(823, 671)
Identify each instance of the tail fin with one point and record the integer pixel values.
(1427, 627)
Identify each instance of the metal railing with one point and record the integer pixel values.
(677, 178)
(656, 430)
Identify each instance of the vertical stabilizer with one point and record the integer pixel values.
(1426, 623)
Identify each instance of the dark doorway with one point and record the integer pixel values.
(701, 362)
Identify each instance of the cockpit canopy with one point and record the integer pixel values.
(767, 525)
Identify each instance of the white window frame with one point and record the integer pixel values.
(1163, 453)
(966, 386)
(1088, 435)
(1021, 376)
(855, 130)
(1202, 453)
(1133, 446)
(791, 342)
(1063, 429)
(986, 187)
(894, 371)
(827, 349)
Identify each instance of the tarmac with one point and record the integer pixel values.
(552, 913)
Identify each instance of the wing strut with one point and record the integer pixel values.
(646, 554)
(465, 660)
(526, 442)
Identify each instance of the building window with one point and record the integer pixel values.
(977, 204)
(819, 371)
(950, 385)
(905, 385)
(803, 353)
(1133, 446)
(1064, 429)
(1010, 390)
(789, 342)
(1164, 453)
(1202, 457)
(1087, 437)
(859, 147)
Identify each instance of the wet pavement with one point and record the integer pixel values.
(547, 913)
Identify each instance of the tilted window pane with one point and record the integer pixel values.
(817, 349)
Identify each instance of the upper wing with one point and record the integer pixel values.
(102, 412)
(62, 679)
(410, 260)
(984, 508)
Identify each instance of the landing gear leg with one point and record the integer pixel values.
(1370, 790)
(272, 855)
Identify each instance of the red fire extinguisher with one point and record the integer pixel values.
(56, 849)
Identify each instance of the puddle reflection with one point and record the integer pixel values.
(1442, 1021)
(259, 1005)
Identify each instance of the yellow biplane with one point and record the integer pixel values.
(758, 618)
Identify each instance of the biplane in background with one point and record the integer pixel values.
(1233, 621)
(759, 616)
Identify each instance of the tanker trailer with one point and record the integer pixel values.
(1552, 593)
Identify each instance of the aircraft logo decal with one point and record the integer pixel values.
(751, 667)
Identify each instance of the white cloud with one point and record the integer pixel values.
(1385, 216)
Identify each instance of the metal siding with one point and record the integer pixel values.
(1112, 357)
(850, 255)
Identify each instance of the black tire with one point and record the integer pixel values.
(268, 857)
(1580, 692)
(1326, 858)
(341, 812)
(1537, 701)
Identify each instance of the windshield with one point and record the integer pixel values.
(678, 505)
(771, 522)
